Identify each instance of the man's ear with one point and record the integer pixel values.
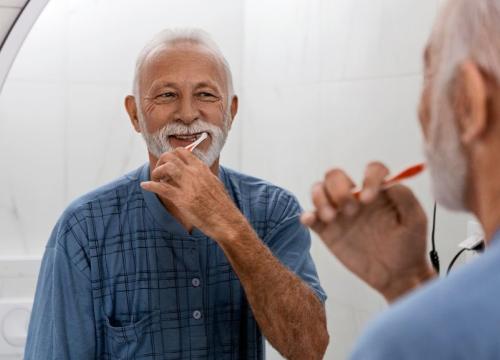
(234, 109)
(470, 102)
(131, 107)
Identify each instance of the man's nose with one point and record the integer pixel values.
(187, 111)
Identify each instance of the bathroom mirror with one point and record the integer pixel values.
(321, 83)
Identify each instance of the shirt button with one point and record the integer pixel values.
(197, 315)
(195, 282)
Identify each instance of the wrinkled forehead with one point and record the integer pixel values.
(183, 62)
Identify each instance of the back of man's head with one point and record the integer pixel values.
(468, 30)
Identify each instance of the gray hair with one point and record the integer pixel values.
(468, 30)
(171, 37)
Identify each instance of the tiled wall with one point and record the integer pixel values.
(322, 83)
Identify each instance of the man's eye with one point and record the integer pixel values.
(166, 95)
(207, 96)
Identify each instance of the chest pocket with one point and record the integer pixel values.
(140, 339)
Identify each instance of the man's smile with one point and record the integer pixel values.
(183, 140)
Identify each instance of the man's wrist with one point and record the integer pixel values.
(406, 284)
(231, 228)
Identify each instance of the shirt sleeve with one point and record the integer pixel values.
(290, 242)
(62, 321)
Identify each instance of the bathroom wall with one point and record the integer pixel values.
(322, 83)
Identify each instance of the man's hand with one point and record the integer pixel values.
(181, 178)
(381, 237)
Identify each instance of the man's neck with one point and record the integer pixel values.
(484, 198)
(170, 206)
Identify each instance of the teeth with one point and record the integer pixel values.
(186, 137)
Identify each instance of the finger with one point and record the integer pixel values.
(162, 189)
(186, 156)
(311, 220)
(375, 175)
(166, 157)
(308, 218)
(324, 208)
(338, 188)
(172, 169)
(406, 203)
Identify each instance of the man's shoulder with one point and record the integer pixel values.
(116, 190)
(260, 194)
(113, 194)
(236, 178)
(451, 318)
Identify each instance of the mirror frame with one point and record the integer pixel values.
(17, 33)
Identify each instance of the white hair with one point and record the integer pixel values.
(170, 38)
(467, 30)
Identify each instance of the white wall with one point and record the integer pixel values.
(322, 83)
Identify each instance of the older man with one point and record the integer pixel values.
(182, 258)
(382, 237)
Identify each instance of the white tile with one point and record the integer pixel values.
(31, 152)
(19, 266)
(231, 153)
(341, 328)
(369, 120)
(101, 142)
(282, 42)
(363, 317)
(19, 287)
(271, 353)
(279, 135)
(373, 38)
(42, 56)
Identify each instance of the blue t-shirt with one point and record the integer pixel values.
(450, 319)
(122, 279)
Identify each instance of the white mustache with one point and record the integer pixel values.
(159, 143)
(182, 129)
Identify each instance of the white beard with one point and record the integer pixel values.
(158, 142)
(445, 157)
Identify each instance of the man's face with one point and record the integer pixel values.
(445, 156)
(183, 94)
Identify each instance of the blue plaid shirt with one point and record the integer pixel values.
(122, 279)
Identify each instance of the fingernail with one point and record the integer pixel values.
(351, 209)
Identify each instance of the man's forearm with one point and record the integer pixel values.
(288, 312)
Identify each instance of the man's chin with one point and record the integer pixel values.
(206, 157)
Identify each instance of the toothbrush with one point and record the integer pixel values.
(403, 175)
(198, 141)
